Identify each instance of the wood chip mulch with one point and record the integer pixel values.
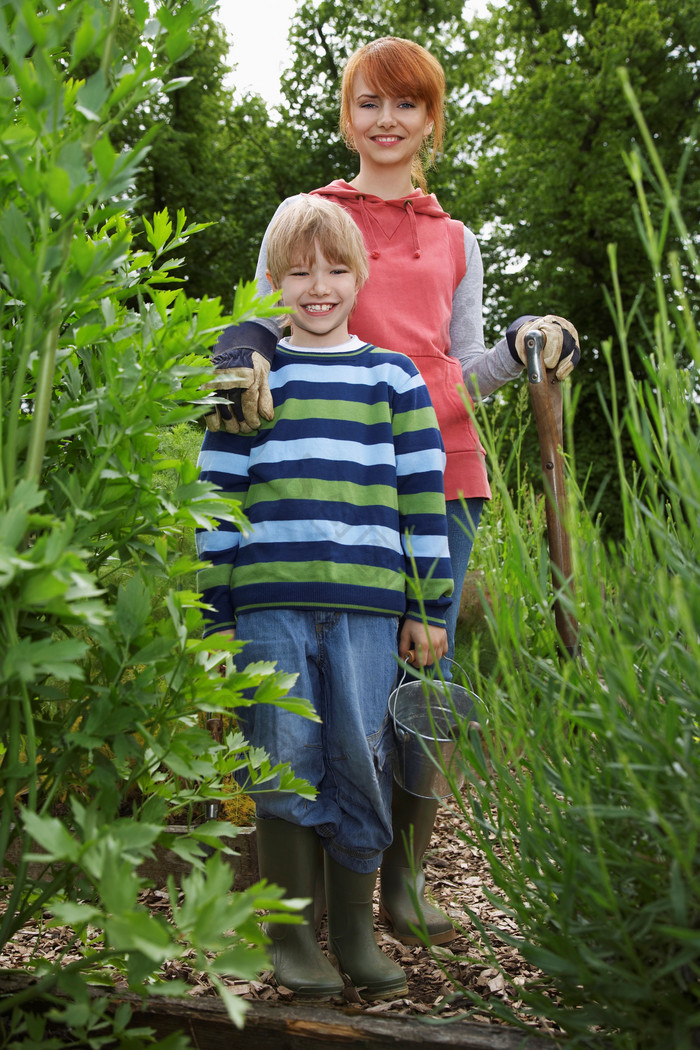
(456, 875)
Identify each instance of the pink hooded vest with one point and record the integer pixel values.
(416, 258)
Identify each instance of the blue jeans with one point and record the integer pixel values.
(345, 664)
(462, 523)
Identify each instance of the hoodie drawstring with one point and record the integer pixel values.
(408, 205)
(372, 249)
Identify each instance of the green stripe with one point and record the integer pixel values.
(358, 412)
(429, 590)
(351, 575)
(426, 502)
(416, 419)
(333, 491)
(214, 576)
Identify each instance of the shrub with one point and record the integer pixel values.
(103, 674)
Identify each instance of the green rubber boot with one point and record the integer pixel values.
(351, 934)
(288, 856)
(413, 819)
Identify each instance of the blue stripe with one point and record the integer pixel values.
(219, 540)
(431, 460)
(320, 596)
(339, 451)
(354, 376)
(212, 460)
(430, 547)
(310, 531)
(300, 510)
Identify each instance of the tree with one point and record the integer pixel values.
(187, 166)
(549, 183)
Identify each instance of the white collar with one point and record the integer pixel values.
(353, 343)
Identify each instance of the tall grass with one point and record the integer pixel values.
(586, 799)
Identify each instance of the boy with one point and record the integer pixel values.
(344, 494)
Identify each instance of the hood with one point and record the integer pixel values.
(415, 205)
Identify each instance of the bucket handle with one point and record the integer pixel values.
(410, 657)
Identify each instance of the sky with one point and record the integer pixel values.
(258, 31)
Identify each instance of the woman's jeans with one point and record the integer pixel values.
(346, 665)
(462, 522)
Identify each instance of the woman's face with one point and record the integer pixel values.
(387, 130)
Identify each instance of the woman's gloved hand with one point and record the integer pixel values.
(561, 350)
(247, 394)
(242, 357)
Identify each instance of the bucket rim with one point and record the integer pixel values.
(461, 720)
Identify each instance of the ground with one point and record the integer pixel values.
(457, 876)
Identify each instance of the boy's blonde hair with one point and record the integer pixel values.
(308, 220)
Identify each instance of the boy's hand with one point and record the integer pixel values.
(427, 644)
(247, 390)
(230, 632)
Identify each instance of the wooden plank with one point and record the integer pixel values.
(244, 862)
(164, 862)
(284, 1026)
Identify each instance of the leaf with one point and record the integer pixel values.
(13, 521)
(133, 608)
(142, 933)
(105, 156)
(73, 913)
(82, 42)
(159, 231)
(248, 304)
(235, 1005)
(56, 841)
(29, 659)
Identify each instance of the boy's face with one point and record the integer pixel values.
(320, 295)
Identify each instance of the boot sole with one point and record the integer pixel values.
(375, 997)
(315, 997)
(409, 938)
(370, 994)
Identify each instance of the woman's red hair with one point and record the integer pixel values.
(397, 67)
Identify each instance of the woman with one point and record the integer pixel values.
(428, 267)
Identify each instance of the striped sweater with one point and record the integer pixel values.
(343, 492)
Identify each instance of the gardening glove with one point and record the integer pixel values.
(242, 356)
(561, 349)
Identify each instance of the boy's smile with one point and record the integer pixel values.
(320, 295)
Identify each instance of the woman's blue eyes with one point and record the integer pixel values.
(401, 105)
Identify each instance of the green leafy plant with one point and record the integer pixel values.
(103, 672)
(586, 794)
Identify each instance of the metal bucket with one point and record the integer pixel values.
(430, 718)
